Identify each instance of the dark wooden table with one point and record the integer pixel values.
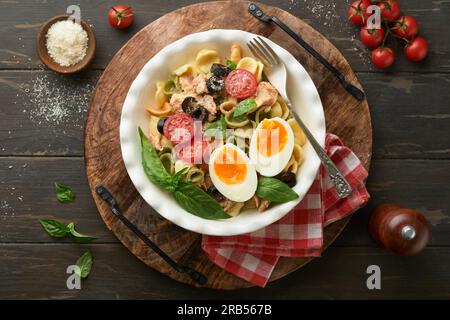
(41, 141)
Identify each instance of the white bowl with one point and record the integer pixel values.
(302, 93)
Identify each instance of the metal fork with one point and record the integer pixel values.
(277, 75)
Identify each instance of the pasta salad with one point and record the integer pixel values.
(222, 137)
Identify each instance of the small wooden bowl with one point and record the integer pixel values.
(52, 64)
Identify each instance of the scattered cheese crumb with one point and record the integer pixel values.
(66, 42)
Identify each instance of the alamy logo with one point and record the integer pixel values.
(74, 280)
(374, 279)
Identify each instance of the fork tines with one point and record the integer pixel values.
(263, 51)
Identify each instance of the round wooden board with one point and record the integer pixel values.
(345, 116)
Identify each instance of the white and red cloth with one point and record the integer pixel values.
(253, 256)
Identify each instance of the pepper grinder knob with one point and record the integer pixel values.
(401, 230)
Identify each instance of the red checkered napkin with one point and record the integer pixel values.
(253, 256)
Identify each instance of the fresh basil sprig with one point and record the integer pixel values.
(274, 190)
(231, 64)
(243, 107)
(153, 167)
(78, 236)
(190, 197)
(54, 228)
(64, 194)
(59, 230)
(196, 201)
(218, 125)
(84, 264)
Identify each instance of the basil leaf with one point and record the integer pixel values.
(54, 228)
(274, 190)
(64, 194)
(85, 264)
(230, 64)
(220, 125)
(196, 201)
(243, 107)
(78, 236)
(153, 167)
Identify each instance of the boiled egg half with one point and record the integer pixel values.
(271, 146)
(232, 173)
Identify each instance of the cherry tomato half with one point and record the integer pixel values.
(179, 127)
(240, 84)
(192, 152)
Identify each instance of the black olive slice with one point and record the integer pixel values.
(215, 84)
(199, 113)
(220, 70)
(287, 177)
(160, 125)
(189, 104)
(213, 192)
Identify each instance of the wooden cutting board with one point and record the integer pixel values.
(345, 117)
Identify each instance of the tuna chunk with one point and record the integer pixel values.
(208, 103)
(199, 84)
(176, 100)
(193, 85)
(266, 94)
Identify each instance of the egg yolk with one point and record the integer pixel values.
(229, 166)
(272, 137)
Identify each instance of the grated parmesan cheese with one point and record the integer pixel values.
(66, 42)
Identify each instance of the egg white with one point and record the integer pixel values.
(239, 192)
(273, 165)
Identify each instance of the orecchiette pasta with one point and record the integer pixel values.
(194, 174)
(248, 64)
(284, 107)
(205, 59)
(227, 106)
(184, 69)
(167, 161)
(160, 96)
(234, 123)
(299, 136)
(236, 53)
(276, 110)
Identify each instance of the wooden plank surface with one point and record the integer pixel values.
(410, 119)
(39, 273)
(400, 181)
(413, 125)
(329, 17)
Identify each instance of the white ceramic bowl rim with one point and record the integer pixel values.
(301, 90)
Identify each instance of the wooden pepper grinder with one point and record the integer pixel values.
(401, 230)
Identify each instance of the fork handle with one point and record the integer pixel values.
(259, 14)
(341, 184)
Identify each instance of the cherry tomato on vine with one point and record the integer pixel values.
(406, 27)
(383, 57)
(371, 37)
(390, 9)
(120, 16)
(417, 49)
(357, 13)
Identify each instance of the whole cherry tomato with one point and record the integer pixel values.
(417, 49)
(383, 57)
(357, 13)
(390, 9)
(120, 17)
(406, 27)
(371, 37)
